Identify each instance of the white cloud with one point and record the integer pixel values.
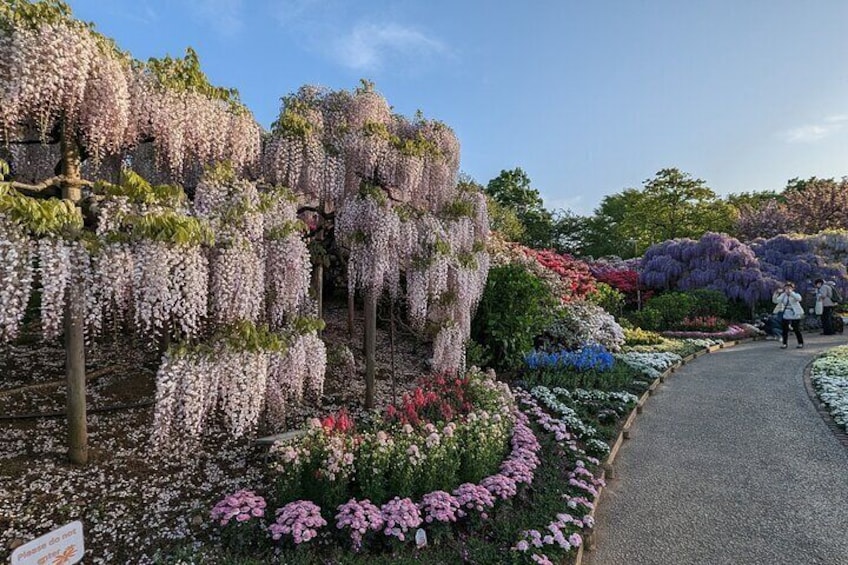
(369, 45)
(224, 16)
(811, 133)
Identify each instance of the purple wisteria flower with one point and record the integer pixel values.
(361, 517)
(439, 506)
(241, 506)
(399, 516)
(300, 519)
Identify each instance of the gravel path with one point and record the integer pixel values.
(729, 464)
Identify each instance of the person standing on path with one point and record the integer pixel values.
(789, 302)
(824, 306)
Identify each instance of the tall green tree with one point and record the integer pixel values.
(673, 204)
(512, 190)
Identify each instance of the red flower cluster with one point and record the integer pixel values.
(574, 273)
(340, 423)
(625, 281)
(703, 324)
(438, 398)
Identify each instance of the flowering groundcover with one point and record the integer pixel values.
(830, 379)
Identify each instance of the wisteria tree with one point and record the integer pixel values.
(72, 103)
(767, 220)
(385, 189)
(716, 262)
(802, 259)
(817, 204)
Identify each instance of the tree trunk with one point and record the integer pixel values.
(318, 287)
(392, 350)
(351, 306)
(370, 347)
(74, 322)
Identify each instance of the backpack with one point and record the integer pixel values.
(835, 295)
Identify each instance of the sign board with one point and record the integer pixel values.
(60, 547)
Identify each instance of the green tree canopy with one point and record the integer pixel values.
(512, 190)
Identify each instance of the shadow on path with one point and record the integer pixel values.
(730, 463)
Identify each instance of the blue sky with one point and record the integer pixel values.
(587, 97)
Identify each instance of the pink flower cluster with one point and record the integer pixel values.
(241, 506)
(580, 478)
(500, 486)
(300, 519)
(399, 515)
(439, 506)
(557, 427)
(474, 497)
(361, 517)
(588, 483)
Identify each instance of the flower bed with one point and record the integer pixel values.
(500, 506)
(591, 367)
(733, 332)
(448, 431)
(829, 376)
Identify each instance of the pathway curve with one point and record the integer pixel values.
(729, 464)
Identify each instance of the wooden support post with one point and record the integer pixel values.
(370, 347)
(74, 322)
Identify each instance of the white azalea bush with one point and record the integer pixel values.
(582, 323)
(830, 379)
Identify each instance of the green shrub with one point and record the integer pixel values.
(607, 298)
(515, 308)
(708, 303)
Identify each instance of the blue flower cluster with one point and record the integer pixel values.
(589, 358)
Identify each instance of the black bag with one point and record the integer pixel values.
(835, 295)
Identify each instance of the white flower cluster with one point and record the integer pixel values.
(830, 379)
(650, 364)
(299, 369)
(580, 322)
(169, 287)
(16, 275)
(192, 385)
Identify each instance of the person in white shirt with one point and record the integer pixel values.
(789, 302)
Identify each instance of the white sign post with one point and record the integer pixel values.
(60, 547)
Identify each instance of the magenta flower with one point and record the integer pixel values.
(241, 506)
(360, 517)
(300, 519)
(399, 516)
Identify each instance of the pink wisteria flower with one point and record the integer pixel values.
(360, 517)
(399, 516)
(240, 506)
(300, 519)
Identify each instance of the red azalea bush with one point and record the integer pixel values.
(625, 281)
(437, 398)
(579, 282)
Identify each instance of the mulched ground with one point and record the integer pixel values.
(134, 500)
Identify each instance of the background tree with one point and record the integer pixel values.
(512, 190)
(817, 204)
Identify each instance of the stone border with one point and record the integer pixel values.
(820, 407)
(608, 471)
